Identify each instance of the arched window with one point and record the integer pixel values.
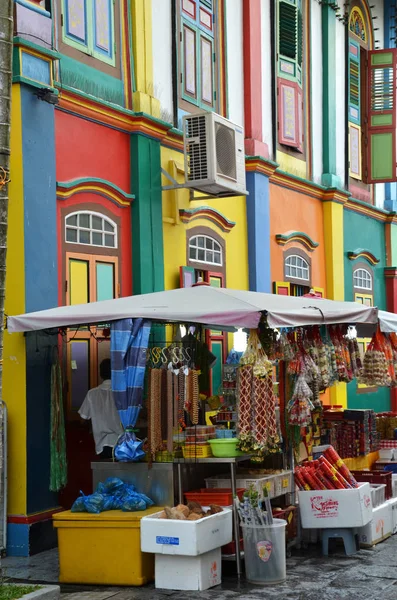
(204, 249)
(362, 279)
(297, 267)
(91, 229)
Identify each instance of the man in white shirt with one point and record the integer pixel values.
(99, 406)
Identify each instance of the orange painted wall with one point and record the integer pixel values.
(293, 211)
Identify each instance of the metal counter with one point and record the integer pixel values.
(160, 481)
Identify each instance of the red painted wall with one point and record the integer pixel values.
(86, 149)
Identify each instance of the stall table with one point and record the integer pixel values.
(232, 461)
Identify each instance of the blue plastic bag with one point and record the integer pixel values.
(78, 505)
(128, 448)
(95, 503)
(133, 502)
(113, 494)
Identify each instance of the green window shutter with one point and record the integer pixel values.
(290, 40)
(206, 71)
(381, 133)
(105, 281)
(103, 30)
(354, 83)
(197, 53)
(75, 28)
(190, 63)
(300, 38)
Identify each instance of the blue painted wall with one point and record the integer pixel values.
(258, 224)
(41, 286)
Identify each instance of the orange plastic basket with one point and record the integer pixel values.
(219, 496)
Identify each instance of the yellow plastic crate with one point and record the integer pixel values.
(165, 456)
(103, 549)
(196, 451)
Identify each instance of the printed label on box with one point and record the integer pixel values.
(169, 541)
(367, 501)
(324, 508)
(214, 573)
(264, 550)
(285, 483)
(380, 524)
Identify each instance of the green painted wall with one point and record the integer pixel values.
(147, 216)
(329, 177)
(364, 232)
(78, 76)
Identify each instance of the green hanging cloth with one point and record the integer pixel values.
(59, 470)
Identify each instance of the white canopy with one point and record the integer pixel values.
(387, 321)
(202, 304)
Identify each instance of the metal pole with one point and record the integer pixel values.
(180, 491)
(235, 518)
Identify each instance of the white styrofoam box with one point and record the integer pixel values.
(336, 508)
(257, 483)
(186, 538)
(379, 528)
(378, 494)
(386, 453)
(284, 483)
(188, 572)
(393, 504)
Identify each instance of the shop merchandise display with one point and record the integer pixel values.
(386, 426)
(351, 432)
(257, 422)
(329, 472)
(247, 405)
(113, 494)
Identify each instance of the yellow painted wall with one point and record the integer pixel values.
(290, 164)
(14, 378)
(174, 230)
(334, 264)
(143, 97)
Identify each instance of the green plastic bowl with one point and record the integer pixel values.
(225, 448)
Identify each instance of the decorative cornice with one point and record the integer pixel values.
(258, 164)
(390, 272)
(392, 218)
(103, 188)
(363, 208)
(81, 104)
(362, 253)
(336, 195)
(187, 215)
(36, 48)
(296, 236)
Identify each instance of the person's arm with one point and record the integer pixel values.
(85, 409)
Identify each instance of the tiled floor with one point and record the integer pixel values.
(368, 575)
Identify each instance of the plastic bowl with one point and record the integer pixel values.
(225, 448)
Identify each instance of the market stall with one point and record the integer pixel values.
(268, 407)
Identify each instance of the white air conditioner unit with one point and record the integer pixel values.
(214, 155)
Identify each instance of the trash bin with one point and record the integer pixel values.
(264, 551)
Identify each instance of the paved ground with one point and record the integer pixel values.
(369, 575)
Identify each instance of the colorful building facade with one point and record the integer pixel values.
(100, 90)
